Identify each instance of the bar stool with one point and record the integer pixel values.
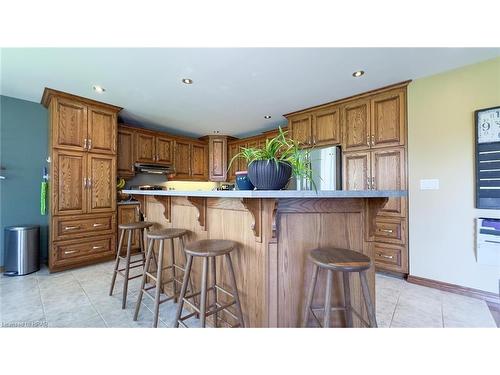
(141, 226)
(339, 260)
(209, 250)
(161, 235)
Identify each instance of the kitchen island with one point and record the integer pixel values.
(275, 231)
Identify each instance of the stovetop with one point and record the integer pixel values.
(148, 187)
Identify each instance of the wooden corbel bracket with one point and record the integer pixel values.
(201, 205)
(254, 206)
(166, 202)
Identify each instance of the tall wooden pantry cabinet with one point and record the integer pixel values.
(82, 182)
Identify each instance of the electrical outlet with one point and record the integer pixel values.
(429, 184)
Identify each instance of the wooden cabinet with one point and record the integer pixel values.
(83, 145)
(326, 126)
(145, 147)
(199, 161)
(182, 159)
(164, 148)
(300, 128)
(217, 158)
(356, 171)
(234, 165)
(356, 125)
(126, 157)
(129, 213)
(388, 118)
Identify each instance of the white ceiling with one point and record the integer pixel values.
(233, 88)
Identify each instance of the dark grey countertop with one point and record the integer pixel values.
(275, 193)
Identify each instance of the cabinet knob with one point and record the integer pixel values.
(373, 140)
(85, 143)
(368, 140)
(373, 184)
(90, 144)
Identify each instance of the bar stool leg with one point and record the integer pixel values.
(203, 300)
(190, 281)
(328, 298)
(172, 256)
(347, 299)
(141, 246)
(235, 289)
(127, 269)
(158, 285)
(185, 281)
(368, 300)
(143, 281)
(117, 262)
(310, 295)
(214, 293)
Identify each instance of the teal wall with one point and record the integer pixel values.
(23, 151)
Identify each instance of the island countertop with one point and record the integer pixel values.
(276, 194)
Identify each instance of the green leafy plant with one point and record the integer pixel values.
(280, 149)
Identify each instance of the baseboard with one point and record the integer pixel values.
(491, 298)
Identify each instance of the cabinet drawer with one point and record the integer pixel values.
(390, 257)
(69, 227)
(82, 250)
(390, 230)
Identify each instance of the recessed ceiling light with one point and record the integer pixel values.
(216, 131)
(98, 89)
(187, 81)
(267, 117)
(357, 74)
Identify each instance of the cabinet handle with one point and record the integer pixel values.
(89, 182)
(368, 140)
(97, 247)
(385, 256)
(70, 252)
(90, 144)
(97, 225)
(368, 182)
(132, 167)
(385, 230)
(373, 140)
(85, 144)
(85, 183)
(373, 184)
(71, 228)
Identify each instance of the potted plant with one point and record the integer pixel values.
(271, 166)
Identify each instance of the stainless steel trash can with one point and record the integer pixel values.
(21, 250)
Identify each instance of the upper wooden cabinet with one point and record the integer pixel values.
(126, 157)
(101, 131)
(217, 158)
(101, 183)
(182, 159)
(199, 161)
(326, 127)
(164, 150)
(233, 165)
(388, 118)
(145, 144)
(191, 160)
(356, 125)
(300, 129)
(375, 121)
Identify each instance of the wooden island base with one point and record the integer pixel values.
(275, 237)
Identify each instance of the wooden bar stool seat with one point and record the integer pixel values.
(158, 283)
(140, 226)
(208, 250)
(346, 261)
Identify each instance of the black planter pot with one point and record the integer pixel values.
(265, 176)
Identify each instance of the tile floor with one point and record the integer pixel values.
(79, 298)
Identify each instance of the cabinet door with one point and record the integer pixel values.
(356, 170)
(129, 213)
(388, 173)
(69, 125)
(300, 129)
(69, 192)
(326, 127)
(145, 147)
(102, 127)
(199, 162)
(125, 153)
(182, 159)
(217, 154)
(232, 150)
(164, 150)
(388, 115)
(356, 125)
(102, 183)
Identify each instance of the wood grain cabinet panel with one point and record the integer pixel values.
(390, 230)
(102, 131)
(300, 129)
(129, 213)
(164, 150)
(69, 125)
(388, 119)
(145, 147)
(390, 257)
(69, 194)
(126, 157)
(102, 183)
(199, 162)
(356, 170)
(217, 154)
(356, 125)
(389, 173)
(182, 159)
(88, 250)
(232, 150)
(69, 227)
(326, 127)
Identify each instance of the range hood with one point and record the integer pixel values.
(154, 168)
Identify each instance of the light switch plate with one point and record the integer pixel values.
(429, 184)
